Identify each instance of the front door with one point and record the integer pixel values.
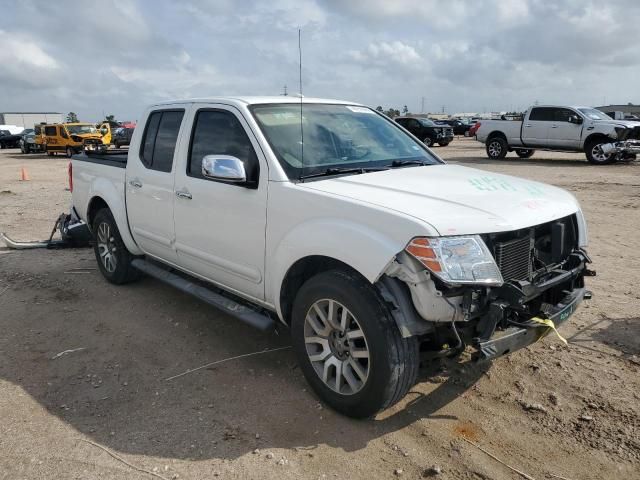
(535, 128)
(149, 184)
(220, 227)
(562, 133)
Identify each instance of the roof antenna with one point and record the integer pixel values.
(300, 81)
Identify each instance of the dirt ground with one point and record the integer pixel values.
(546, 410)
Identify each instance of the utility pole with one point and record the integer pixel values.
(442, 108)
(422, 108)
(285, 91)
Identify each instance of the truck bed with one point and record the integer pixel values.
(114, 158)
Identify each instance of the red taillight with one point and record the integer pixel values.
(70, 170)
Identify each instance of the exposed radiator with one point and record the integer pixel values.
(514, 258)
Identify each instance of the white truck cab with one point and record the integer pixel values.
(330, 218)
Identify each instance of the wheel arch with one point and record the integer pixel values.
(97, 203)
(596, 136)
(496, 134)
(301, 271)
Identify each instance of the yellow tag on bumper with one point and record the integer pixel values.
(549, 323)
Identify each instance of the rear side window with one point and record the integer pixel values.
(219, 132)
(543, 114)
(160, 138)
(50, 131)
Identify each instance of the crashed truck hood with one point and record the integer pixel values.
(456, 200)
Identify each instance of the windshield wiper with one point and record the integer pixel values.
(402, 163)
(342, 170)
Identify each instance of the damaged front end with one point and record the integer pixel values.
(626, 144)
(541, 270)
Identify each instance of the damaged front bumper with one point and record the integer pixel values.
(626, 147)
(508, 324)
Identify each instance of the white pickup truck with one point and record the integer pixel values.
(330, 218)
(572, 129)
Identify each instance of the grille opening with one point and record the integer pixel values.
(519, 254)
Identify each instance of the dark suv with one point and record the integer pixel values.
(427, 130)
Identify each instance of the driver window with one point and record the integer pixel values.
(562, 114)
(219, 132)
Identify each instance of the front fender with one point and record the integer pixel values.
(115, 200)
(364, 249)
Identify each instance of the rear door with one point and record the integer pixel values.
(220, 227)
(149, 183)
(535, 129)
(562, 133)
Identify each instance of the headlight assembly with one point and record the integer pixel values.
(456, 260)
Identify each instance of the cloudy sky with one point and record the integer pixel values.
(114, 57)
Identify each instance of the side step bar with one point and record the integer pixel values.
(242, 312)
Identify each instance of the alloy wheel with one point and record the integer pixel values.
(598, 154)
(495, 149)
(336, 346)
(107, 248)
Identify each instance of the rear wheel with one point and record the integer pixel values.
(524, 152)
(69, 152)
(348, 345)
(595, 154)
(443, 144)
(497, 148)
(427, 141)
(114, 260)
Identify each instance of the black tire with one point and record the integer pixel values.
(524, 152)
(593, 156)
(122, 271)
(392, 362)
(427, 141)
(68, 152)
(497, 148)
(443, 144)
(1, 145)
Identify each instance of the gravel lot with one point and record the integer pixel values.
(548, 409)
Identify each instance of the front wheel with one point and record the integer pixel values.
(595, 154)
(443, 144)
(114, 260)
(69, 152)
(348, 345)
(524, 152)
(427, 141)
(497, 148)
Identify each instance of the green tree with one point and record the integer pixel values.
(379, 109)
(110, 119)
(392, 112)
(405, 110)
(72, 117)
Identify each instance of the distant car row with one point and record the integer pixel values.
(67, 138)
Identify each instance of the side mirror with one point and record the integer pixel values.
(224, 167)
(575, 119)
(104, 130)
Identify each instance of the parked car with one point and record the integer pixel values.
(459, 127)
(8, 139)
(474, 128)
(351, 232)
(427, 130)
(122, 136)
(573, 129)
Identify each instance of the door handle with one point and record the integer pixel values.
(135, 183)
(181, 194)
(554, 126)
(528, 125)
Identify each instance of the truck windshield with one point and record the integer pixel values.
(80, 129)
(336, 137)
(593, 114)
(427, 123)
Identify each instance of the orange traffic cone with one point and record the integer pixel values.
(24, 175)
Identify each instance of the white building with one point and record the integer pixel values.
(29, 119)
